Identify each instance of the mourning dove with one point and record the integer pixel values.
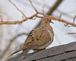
(39, 38)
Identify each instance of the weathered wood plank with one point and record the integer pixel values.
(58, 53)
(61, 57)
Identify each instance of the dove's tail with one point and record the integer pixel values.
(15, 52)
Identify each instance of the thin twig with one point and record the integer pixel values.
(11, 42)
(74, 19)
(72, 33)
(33, 6)
(17, 8)
(63, 13)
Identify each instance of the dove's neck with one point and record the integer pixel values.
(44, 23)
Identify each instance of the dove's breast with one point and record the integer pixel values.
(43, 38)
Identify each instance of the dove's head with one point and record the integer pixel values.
(47, 19)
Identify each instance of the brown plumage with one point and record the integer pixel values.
(39, 38)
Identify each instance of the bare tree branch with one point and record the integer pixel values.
(54, 7)
(17, 22)
(63, 21)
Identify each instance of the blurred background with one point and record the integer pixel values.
(8, 12)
